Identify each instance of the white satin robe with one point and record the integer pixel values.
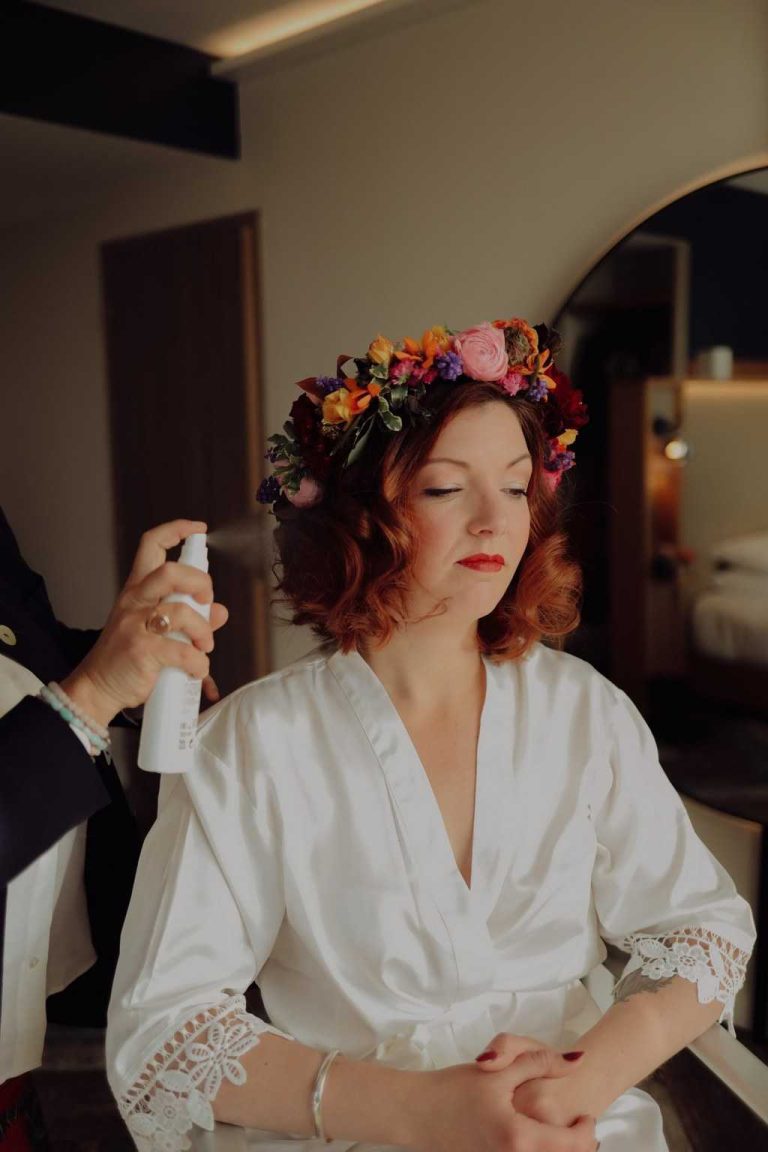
(306, 850)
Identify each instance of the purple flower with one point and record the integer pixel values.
(449, 366)
(269, 490)
(537, 391)
(559, 459)
(327, 384)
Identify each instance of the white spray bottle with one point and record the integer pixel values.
(170, 714)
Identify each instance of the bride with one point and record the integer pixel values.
(418, 838)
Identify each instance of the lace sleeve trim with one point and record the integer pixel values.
(178, 1084)
(713, 963)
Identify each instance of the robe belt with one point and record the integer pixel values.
(454, 1036)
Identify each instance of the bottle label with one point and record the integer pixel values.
(190, 710)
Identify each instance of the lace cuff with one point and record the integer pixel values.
(713, 963)
(177, 1085)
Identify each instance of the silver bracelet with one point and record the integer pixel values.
(317, 1095)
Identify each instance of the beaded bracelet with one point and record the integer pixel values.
(84, 724)
(99, 729)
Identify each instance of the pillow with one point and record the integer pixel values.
(747, 552)
(741, 581)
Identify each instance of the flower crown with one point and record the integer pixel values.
(336, 415)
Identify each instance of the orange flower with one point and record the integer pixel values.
(522, 345)
(345, 404)
(433, 343)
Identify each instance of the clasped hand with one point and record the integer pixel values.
(522, 1099)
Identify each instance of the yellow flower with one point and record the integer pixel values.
(343, 405)
(567, 437)
(380, 351)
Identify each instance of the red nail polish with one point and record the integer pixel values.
(489, 1055)
(572, 1055)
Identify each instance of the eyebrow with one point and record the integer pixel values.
(464, 464)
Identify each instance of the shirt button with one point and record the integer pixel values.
(7, 635)
(34, 961)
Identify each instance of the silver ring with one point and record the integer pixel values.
(158, 623)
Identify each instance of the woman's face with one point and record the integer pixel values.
(469, 503)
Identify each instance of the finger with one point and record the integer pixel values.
(211, 689)
(154, 544)
(504, 1049)
(185, 620)
(534, 1064)
(177, 654)
(170, 578)
(578, 1137)
(219, 616)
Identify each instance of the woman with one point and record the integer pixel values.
(418, 837)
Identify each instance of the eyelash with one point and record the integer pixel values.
(437, 492)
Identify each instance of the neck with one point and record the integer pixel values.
(429, 667)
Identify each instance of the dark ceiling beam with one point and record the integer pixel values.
(72, 70)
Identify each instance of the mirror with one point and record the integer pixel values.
(667, 338)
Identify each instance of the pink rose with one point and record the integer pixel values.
(512, 382)
(483, 351)
(308, 494)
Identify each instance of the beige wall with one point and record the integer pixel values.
(724, 485)
(467, 167)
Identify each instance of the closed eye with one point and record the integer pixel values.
(448, 491)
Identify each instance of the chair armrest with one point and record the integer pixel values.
(736, 1067)
(224, 1138)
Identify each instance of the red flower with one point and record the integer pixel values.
(569, 400)
(306, 416)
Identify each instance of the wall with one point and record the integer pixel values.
(471, 166)
(723, 491)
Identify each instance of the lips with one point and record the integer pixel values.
(483, 563)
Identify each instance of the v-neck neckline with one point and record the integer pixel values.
(408, 778)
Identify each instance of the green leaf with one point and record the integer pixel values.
(379, 371)
(390, 421)
(359, 444)
(397, 395)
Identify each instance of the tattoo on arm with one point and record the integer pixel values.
(636, 982)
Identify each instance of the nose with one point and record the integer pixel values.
(488, 516)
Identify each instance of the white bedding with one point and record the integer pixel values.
(748, 553)
(732, 623)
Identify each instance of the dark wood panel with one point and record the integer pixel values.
(73, 70)
(181, 316)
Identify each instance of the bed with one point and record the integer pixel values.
(729, 624)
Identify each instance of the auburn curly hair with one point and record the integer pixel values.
(344, 563)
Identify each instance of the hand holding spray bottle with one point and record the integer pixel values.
(170, 715)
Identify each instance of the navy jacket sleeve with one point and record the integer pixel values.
(48, 784)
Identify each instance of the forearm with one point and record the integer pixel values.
(652, 1021)
(367, 1102)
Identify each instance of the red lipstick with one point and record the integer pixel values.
(482, 562)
